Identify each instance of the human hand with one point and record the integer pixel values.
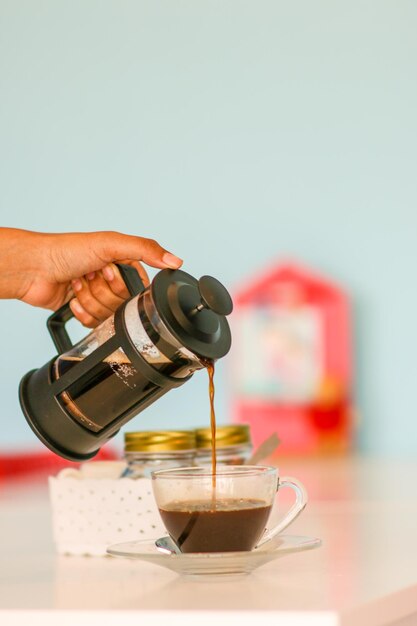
(47, 270)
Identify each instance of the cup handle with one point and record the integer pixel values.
(301, 500)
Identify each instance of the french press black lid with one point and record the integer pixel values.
(194, 311)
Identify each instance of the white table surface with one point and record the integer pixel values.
(365, 574)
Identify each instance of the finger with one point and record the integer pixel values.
(69, 293)
(116, 246)
(89, 303)
(102, 292)
(82, 316)
(115, 281)
(139, 268)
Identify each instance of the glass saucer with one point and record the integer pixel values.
(203, 563)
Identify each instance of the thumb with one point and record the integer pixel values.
(118, 247)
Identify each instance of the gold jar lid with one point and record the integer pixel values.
(235, 435)
(159, 441)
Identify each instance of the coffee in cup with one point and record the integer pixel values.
(232, 517)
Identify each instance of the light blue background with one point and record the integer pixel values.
(235, 133)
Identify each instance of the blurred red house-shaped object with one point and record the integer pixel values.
(292, 361)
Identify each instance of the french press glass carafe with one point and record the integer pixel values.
(154, 342)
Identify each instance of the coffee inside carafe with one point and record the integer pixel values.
(113, 386)
(110, 388)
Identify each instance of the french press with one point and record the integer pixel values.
(154, 342)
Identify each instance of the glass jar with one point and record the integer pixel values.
(233, 445)
(149, 451)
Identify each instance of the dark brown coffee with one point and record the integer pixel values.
(221, 526)
(107, 390)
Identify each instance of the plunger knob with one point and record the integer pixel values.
(214, 296)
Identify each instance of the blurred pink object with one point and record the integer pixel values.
(16, 465)
(292, 361)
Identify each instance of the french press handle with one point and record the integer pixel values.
(56, 322)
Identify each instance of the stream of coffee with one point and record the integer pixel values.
(209, 365)
(210, 370)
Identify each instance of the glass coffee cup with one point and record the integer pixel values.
(229, 514)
